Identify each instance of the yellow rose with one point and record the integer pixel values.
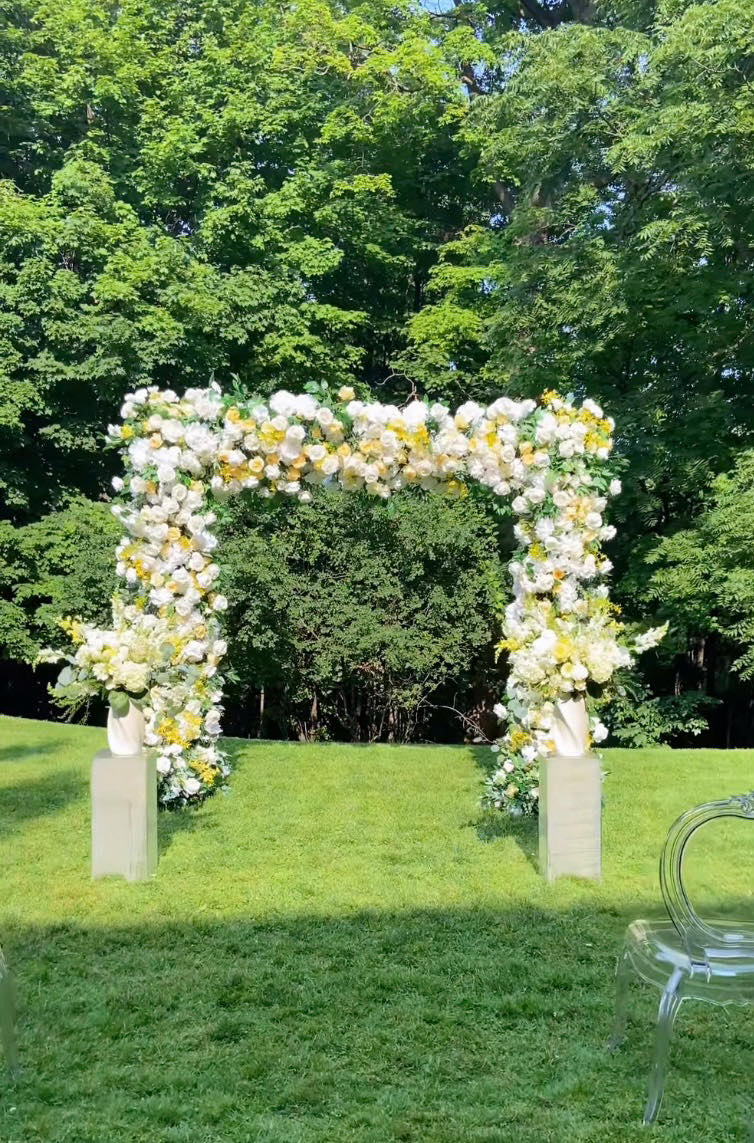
(561, 651)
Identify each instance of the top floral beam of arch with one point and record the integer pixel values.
(181, 453)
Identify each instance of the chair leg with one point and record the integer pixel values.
(668, 1010)
(7, 1030)
(622, 980)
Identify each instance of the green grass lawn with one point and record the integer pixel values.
(344, 948)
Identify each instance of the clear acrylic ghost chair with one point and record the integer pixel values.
(7, 1030)
(686, 958)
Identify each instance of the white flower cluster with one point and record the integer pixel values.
(182, 452)
(560, 631)
(125, 657)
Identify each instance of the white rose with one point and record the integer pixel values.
(212, 723)
(306, 407)
(283, 403)
(593, 408)
(289, 450)
(415, 414)
(172, 431)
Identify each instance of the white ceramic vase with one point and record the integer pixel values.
(125, 735)
(570, 728)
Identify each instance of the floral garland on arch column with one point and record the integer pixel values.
(181, 453)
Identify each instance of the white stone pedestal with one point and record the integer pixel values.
(570, 817)
(124, 815)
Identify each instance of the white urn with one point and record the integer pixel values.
(570, 728)
(125, 733)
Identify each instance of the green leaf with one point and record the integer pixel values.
(120, 702)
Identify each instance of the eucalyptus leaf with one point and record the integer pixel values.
(120, 702)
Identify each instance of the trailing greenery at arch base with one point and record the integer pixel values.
(450, 204)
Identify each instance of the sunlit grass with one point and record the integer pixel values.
(344, 948)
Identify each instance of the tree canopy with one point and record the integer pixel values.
(454, 200)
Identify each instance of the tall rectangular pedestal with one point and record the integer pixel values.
(124, 815)
(570, 817)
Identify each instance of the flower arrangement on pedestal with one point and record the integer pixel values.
(118, 664)
(183, 452)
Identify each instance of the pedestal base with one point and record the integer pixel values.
(124, 815)
(570, 817)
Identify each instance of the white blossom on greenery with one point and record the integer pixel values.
(184, 454)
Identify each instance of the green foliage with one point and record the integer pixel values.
(635, 718)
(481, 197)
(62, 565)
(357, 617)
(120, 703)
(224, 187)
(619, 249)
(702, 577)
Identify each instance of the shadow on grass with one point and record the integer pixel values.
(39, 798)
(429, 1026)
(25, 753)
(490, 826)
(170, 823)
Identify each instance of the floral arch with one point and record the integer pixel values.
(181, 453)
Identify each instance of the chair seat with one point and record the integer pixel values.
(719, 969)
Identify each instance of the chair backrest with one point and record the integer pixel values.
(701, 939)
